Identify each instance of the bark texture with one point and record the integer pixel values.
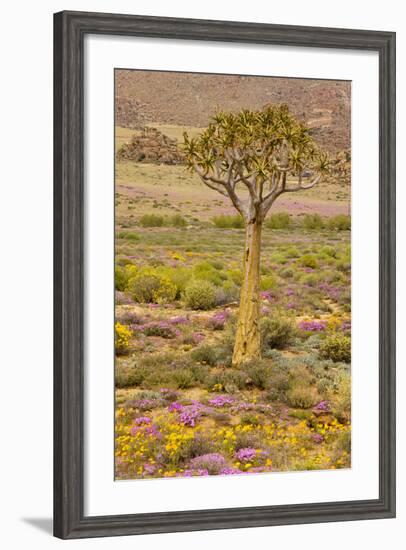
(248, 342)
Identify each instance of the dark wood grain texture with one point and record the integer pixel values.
(69, 31)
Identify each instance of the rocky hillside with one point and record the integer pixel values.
(189, 99)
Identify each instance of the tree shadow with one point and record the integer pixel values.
(43, 524)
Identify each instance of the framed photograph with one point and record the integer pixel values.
(224, 275)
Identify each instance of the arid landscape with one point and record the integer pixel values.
(184, 405)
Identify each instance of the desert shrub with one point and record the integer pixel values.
(235, 275)
(308, 260)
(120, 280)
(278, 384)
(122, 275)
(344, 265)
(198, 446)
(128, 317)
(277, 331)
(302, 396)
(206, 272)
(250, 419)
(292, 252)
(279, 220)
(199, 294)
(267, 282)
(340, 398)
(259, 373)
(149, 286)
(336, 347)
(329, 251)
(310, 279)
(340, 223)
(160, 328)
(324, 385)
(205, 354)
(227, 293)
(313, 221)
(178, 276)
(287, 273)
(183, 378)
(129, 375)
(178, 221)
(122, 298)
(228, 222)
(122, 339)
(248, 439)
(129, 236)
(152, 220)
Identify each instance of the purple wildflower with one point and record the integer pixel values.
(142, 420)
(149, 468)
(267, 295)
(317, 438)
(312, 326)
(322, 406)
(221, 401)
(212, 462)
(246, 454)
(193, 472)
(175, 407)
(230, 471)
(180, 320)
(218, 320)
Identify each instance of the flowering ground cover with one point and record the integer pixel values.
(182, 409)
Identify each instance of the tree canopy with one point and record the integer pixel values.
(268, 152)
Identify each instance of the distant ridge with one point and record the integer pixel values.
(189, 99)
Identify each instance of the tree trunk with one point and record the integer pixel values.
(247, 341)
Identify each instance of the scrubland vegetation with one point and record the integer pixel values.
(181, 408)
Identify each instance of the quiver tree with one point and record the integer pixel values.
(253, 157)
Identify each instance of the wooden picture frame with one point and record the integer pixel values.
(70, 29)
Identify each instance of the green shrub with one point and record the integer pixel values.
(129, 236)
(277, 331)
(149, 286)
(258, 372)
(336, 347)
(120, 280)
(178, 221)
(308, 260)
(122, 275)
(206, 272)
(129, 375)
(279, 220)
(199, 294)
(267, 282)
(235, 275)
(250, 419)
(287, 273)
(292, 252)
(340, 223)
(302, 396)
(152, 220)
(178, 276)
(228, 222)
(205, 354)
(183, 378)
(313, 221)
(329, 251)
(340, 398)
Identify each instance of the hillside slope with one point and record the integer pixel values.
(190, 99)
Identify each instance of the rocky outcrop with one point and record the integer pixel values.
(152, 147)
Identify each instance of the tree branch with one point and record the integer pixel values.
(300, 187)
